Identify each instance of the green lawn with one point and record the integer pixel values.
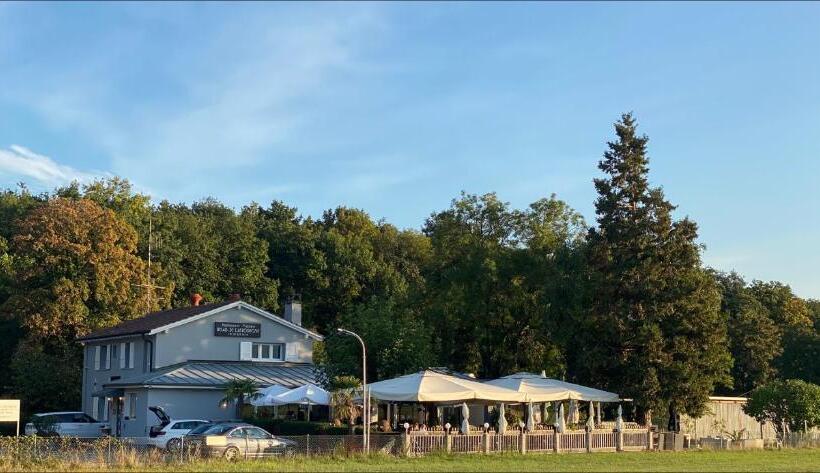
(760, 460)
(770, 460)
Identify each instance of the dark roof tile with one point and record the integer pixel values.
(152, 321)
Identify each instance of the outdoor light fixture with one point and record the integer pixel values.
(223, 404)
(447, 427)
(365, 395)
(486, 426)
(406, 426)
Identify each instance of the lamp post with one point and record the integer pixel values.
(365, 396)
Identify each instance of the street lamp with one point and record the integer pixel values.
(365, 397)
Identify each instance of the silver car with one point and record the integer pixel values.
(233, 441)
(65, 424)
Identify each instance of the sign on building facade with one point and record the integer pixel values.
(237, 329)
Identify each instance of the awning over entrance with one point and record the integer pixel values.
(108, 392)
(215, 374)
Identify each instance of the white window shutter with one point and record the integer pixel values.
(121, 355)
(97, 357)
(131, 347)
(95, 408)
(108, 357)
(245, 351)
(290, 352)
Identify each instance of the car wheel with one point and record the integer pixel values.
(231, 454)
(172, 445)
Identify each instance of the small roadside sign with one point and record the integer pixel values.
(10, 412)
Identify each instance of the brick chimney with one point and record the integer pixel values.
(196, 298)
(293, 310)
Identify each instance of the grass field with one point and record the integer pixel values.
(770, 460)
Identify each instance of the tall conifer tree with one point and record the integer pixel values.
(655, 330)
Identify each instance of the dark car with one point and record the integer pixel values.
(236, 440)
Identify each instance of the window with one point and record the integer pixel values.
(126, 355)
(102, 361)
(130, 406)
(256, 433)
(267, 352)
(238, 433)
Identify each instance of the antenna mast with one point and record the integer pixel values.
(150, 286)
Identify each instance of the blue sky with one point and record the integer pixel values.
(396, 108)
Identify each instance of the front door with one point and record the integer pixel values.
(117, 407)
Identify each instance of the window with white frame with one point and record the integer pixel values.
(268, 352)
(102, 360)
(126, 355)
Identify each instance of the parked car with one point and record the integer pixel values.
(170, 436)
(237, 440)
(65, 424)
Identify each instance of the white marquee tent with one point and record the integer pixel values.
(430, 386)
(542, 389)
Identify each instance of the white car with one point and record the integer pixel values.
(65, 424)
(168, 434)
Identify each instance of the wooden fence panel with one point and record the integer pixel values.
(573, 441)
(604, 440)
(540, 442)
(467, 443)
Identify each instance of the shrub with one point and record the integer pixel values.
(793, 403)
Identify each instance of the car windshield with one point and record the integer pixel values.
(200, 429)
(219, 429)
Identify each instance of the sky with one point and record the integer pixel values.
(396, 108)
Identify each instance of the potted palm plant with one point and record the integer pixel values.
(239, 391)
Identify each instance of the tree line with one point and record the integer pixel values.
(624, 304)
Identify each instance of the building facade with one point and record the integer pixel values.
(180, 360)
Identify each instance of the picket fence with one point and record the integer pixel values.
(416, 443)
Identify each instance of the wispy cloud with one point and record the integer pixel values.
(22, 163)
(246, 97)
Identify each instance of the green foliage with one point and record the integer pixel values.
(237, 391)
(792, 403)
(397, 341)
(490, 281)
(655, 331)
(754, 338)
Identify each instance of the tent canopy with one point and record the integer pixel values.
(266, 395)
(307, 394)
(543, 389)
(430, 386)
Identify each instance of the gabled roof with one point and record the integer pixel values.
(214, 374)
(159, 321)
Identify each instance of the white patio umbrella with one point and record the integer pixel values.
(307, 394)
(619, 422)
(591, 417)
(561, 422)
(266, 395)
(530, 418)
(502, 421)
(465, 418)
(574, 415)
